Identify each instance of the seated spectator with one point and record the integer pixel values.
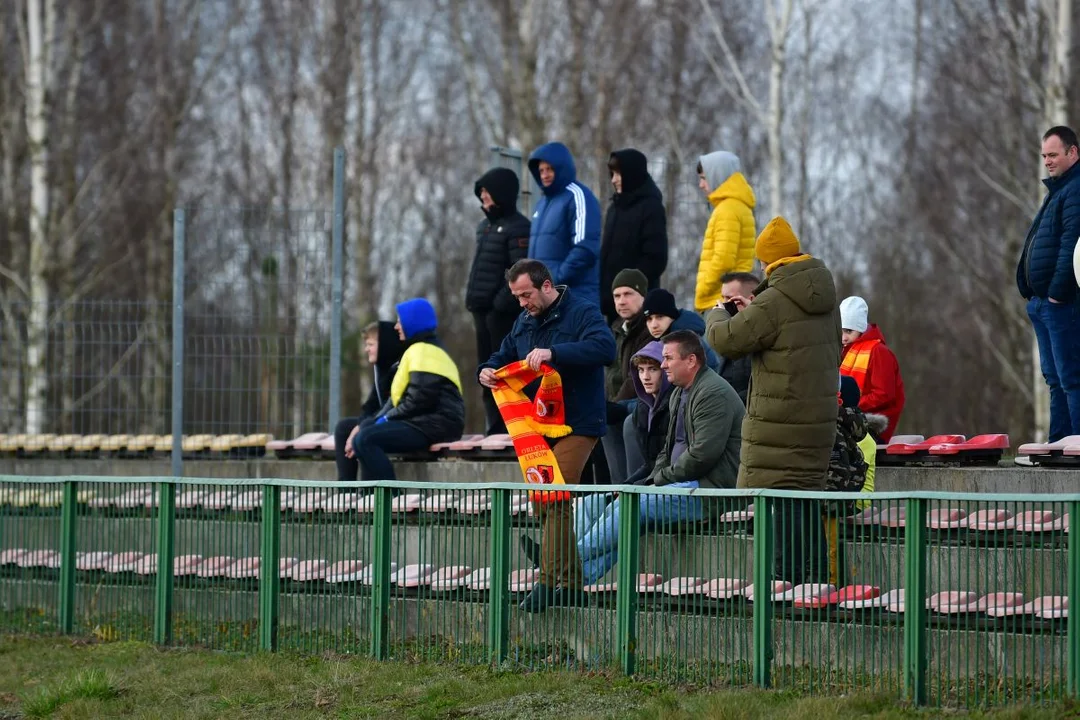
(701, 449)
(425, 405)
(663, 316)
(872, 364)
(628, 291)
(383, 350)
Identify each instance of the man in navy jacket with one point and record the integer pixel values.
(565, 233)
(566, 331)
(1045, 278)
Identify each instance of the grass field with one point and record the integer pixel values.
(73, 678)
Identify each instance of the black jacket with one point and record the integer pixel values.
(501, 240)
(390, 349)
(635, 229)
(618, 378)
(737, 373)
(431, 402)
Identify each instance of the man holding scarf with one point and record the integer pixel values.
(567, 333)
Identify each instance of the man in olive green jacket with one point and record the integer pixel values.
(792, 333)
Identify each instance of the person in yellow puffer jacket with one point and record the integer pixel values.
(730, 234)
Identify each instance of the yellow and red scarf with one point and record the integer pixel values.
(530, 421)
(857, 360)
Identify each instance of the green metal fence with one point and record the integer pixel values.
(944, 599)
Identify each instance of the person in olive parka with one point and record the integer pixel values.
(635, 227)
(502, 239)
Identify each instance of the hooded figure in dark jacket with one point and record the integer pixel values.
(646, 428)
(635, 226)
(502, 239)
(383, 348)
(425, 404)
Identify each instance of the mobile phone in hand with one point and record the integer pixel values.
(731, 307)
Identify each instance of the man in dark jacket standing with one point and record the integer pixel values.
(635, 227)
(383, 349)
(565, 233)
(501, 240)
(569, 334)
(1046, 280)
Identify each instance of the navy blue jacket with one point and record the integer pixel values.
(1045, 268)
(581, 344)
(565, 232)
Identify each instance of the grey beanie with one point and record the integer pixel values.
(719, 166)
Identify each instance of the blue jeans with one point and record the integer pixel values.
(373, 443)
(1057, 329)
(599, 545)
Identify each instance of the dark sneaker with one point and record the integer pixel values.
(539, 599)
(568, 597)
(531, 549)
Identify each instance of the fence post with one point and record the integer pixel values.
(269, 559)
(68, 520)
(626, 594)
(163, 581)
(179, 231)
(915, 537)
(499, 595)
(763, 581)
(337, 271)
(1072, 627)
(380, 588)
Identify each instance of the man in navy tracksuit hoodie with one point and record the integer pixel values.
(565, 233)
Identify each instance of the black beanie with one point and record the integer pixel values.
(633, 279)
(660, 302)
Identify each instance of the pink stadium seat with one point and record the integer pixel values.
(871, 601)
(479, 579)
(467, 443)
(895, 602)
(804, 592)
(214, 567)
(243, 569)
(496, 443)
(189, 499)
(147, 565)
(778, 586)
(924, 446)
(367, 575)
(952, 602)
(307, 570)
(123, 562)
(679, 586)
(849, 593)
(893, 517)
(307, 501)
(1033, 521)
(723, 588)
(39, 559)
(349, 502)
(184, 565)
(1067, 446)
(999, 600)
(905, 440)
(286, 564)
(439, 503)
(869, 516)
(88, 561)
(522, 581)
(219, 500)
(406, 503)
(519, 503)
(451, 577)
(1046, 607)
(988, 520)
(140, 498)
(307, 442)
(443, 447)
(647, 583)
(945, 519)
(326, 445)
(979, 444)
(474, 505)
(287, 498)
(738, 516)
(11, 556)
(246, 501)
(412, 576)
(342, 569)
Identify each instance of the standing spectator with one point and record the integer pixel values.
(1047, 282)
(383, 349)
(569, 334)
(635, 227)
(565, 233)
(701, 449)
(628, 289)
(867, 360)
(792, 333)
(425, 405)
(501, 240)
(729, 237)
(738, 289)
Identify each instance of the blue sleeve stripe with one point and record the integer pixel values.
(579, 212)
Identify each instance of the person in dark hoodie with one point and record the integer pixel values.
(383, 350)
(425, 404)
(502, 239)
(565, 233)
(663, 316)
(635, 226)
